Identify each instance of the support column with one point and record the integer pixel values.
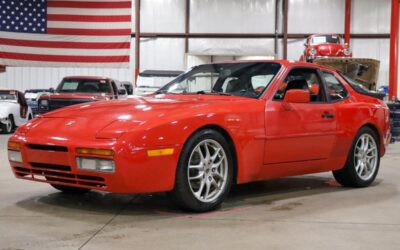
(347, 22)
(137, 39)
(285, 27)
(394, 56)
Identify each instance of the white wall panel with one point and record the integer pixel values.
(232, 16)
(262, 47)
(316, 16)
(162, 54)
(162, 16)
(370, 16)
(376, 49)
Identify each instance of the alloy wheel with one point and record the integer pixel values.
(207, 170)
(366, 157)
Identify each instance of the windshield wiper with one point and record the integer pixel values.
(212, 92)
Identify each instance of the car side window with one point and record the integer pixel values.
(302, 78)
(336, 90)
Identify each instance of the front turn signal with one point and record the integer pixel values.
(14, 146)
(98, 152)
(160, 152)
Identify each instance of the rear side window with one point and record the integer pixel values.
(336, 90)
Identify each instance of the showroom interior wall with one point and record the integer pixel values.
(229, 16)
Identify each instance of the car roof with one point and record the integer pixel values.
(87, 77)
(286, 63)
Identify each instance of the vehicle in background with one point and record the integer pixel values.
(32, 97)
(325, 45)
(128, 86)
(150, 81)
(214, 126)
(81, 89)
(14, 110)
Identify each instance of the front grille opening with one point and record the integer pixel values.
(20, 169)
(90, 178)
(41, 172)
(22, 174)
(51, 166)
(60, 180)
(90, 184)
(48, 148)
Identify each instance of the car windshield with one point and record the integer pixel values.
(8, 96)
(36, 91)
(248, 79)
(325, 39)
(84, 86)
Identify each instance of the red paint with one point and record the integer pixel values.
(269, 140)
(63, 45)
(90, 5)
(88, 32)
(347, 22)
(324, 49)
(64, 58)
(80, 18)
(394, 51)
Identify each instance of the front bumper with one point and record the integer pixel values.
(56, 164)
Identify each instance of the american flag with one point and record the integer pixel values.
(69, 33)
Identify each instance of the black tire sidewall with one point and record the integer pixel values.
(182, 193)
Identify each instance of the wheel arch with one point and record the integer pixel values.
(377, 132)
(228, 138)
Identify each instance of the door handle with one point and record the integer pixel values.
(328, 115)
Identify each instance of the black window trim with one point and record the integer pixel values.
(329, 100)
(324, 91)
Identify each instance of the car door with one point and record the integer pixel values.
(304, 131)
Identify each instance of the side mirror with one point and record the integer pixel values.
(305, 44)
(51, 90)
(296, 96)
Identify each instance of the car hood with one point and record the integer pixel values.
(120, 116)
(329, 49)
(5, 108)
(94, 97)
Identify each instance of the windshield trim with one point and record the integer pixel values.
(163, 89)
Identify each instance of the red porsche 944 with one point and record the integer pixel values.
(212, 127)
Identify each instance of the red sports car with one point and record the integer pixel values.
(323, 46)
(212, 127)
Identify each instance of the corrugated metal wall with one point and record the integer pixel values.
(230, 16)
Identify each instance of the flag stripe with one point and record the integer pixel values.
(64, 58)
(86, 18)
(57, 38)
(89, 25)
(66, 45)
(89, 12)
(89, 32)
(60, 51)
(91, 5)
(25, 63)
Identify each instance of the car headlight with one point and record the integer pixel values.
(14, 156)
(44, 103)
(96, 164)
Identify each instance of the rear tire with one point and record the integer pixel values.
(70, 190)
(363, 160)
(204, 173)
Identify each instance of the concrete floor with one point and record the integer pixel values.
(306, 212)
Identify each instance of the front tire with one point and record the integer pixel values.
(205, 172)
(70, 190)
(363, 161)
